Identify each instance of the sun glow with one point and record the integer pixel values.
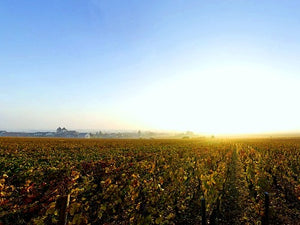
(228, 100)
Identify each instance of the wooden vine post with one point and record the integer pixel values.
(203, 211)
(62, 205)
(265, 219)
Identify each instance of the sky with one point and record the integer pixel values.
(229, 66)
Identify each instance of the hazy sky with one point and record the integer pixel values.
(207, 66)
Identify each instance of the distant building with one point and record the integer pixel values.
(71, 133)
(84, 135)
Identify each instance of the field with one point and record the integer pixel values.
(149, 181)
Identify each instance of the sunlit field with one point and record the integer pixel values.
(72, 181)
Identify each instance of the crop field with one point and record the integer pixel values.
(73, 181)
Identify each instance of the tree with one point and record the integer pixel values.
(58, 130)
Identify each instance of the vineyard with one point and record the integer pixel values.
(149, 181)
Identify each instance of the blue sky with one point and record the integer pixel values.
(208, 66)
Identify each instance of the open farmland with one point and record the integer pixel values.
(149, 181)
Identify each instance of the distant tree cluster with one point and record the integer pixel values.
(61, 130)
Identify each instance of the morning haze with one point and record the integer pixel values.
(149, 112)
